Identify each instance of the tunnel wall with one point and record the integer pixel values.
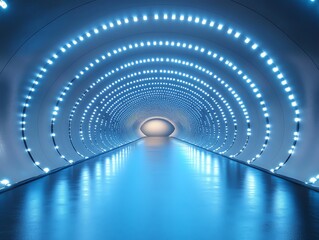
(232, 81)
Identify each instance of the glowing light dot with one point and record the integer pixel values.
(3, 4)
(5, 182)
(270, 61)
(237, 34)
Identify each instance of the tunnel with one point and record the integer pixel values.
(223, 92)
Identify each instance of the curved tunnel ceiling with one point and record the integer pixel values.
(228, 78)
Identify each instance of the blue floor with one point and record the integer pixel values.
(159, 189)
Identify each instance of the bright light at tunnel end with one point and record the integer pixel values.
(157, 127)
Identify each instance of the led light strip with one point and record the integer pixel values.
(172, 72)
(121, 93)
(136, 96)
(99, 94)
(150, 95)
(221, 99)
(120, 104)
(142, 61)
(195, 48)
(166, 108)
(179, 62)
(82, 118)
(209, 109)
(139, 91)
(205, 93)
(209, 130)
(118, 81)
(172, 17)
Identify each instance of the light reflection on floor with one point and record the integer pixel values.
(159, 189)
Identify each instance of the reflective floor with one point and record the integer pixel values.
(159, 189)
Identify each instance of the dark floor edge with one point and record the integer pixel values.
(292, 180)
(18, 184)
